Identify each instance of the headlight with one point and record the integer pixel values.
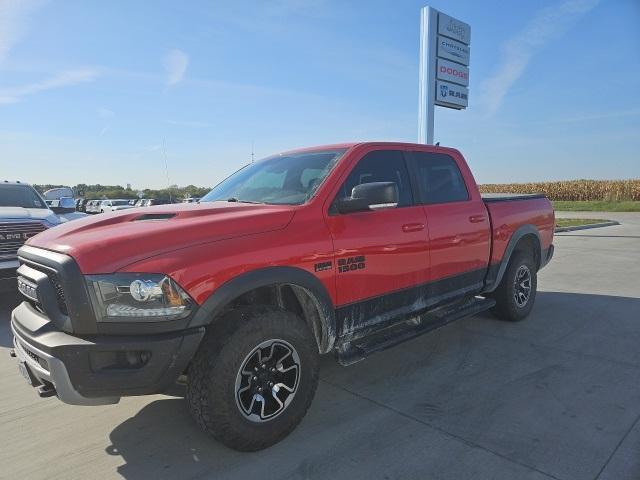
(139, 297)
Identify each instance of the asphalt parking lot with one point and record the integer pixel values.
(556, 396)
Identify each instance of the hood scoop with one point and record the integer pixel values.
(154, 216)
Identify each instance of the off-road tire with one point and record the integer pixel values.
(507, 306)
(211, 386)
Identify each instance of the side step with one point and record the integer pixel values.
(358, 349)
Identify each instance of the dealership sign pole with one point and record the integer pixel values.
(444, 67)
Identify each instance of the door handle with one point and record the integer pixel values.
(476, 218)
(412, 227)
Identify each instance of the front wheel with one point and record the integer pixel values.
(254, 378)
(516, 293)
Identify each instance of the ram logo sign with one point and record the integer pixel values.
(452, 95)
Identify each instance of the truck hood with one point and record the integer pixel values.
(108, 242)
(20, 213)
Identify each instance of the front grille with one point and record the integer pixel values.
(62, 300)
(14, 234)
(55, 283)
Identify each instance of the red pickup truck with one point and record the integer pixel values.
(346, 249)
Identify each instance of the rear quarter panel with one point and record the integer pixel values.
(508, 216)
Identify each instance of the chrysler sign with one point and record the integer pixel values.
(452, 72)
(452, 50)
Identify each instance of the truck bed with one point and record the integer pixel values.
(507, 197)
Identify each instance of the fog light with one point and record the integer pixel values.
(118, 360)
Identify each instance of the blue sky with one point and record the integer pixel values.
(90, 90)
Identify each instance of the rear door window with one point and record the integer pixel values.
(439, 178)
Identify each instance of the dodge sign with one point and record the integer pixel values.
(452, 72)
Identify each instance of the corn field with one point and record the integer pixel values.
(608, 190)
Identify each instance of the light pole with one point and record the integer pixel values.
(427, 75)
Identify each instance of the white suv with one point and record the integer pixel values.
(113, 205)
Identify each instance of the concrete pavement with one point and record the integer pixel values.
(556, 396)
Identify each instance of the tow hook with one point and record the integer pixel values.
(12, 353)
(46, 390)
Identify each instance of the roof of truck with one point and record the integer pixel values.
(17, 182)
(348, 145)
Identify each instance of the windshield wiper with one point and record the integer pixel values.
(234, 199)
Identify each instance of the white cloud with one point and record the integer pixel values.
(548, 24)
(175, 63)
(106, 113)
(64, 79)
(14, 15)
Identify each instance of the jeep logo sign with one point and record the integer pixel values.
(452, 72)
(453, 28)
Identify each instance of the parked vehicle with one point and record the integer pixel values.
(150, 202)
(191, 200)
(82, 207)
(90, 206)
(113, 205)
(345, 249)
(58, 193)
(23, 214)
(65, 208)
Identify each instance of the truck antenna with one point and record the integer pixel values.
(166, 167)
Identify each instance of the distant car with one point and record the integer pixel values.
(150, 202)
(89, 207)
(23, 214)
(94, 206)
(83, 205)
(65, 208)
(113, 205)
(191, 200)
(155, 201)
(140, 202)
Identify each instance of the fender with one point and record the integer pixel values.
(496, 271)
(263, 277)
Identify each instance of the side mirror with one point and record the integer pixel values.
(65, 205)
(369, 196)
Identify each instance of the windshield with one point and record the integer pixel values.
(119, 202)
(288, 179)
(20, 196)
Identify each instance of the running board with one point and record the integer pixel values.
(358, 349)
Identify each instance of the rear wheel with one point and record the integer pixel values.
(516, 293)
(254, 378)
